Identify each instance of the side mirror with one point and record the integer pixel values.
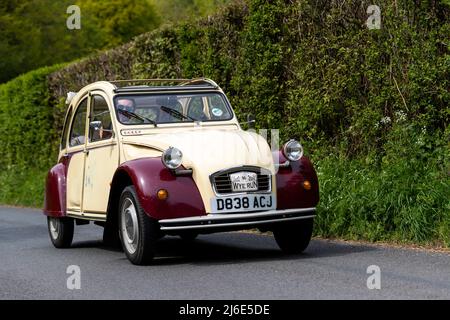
(95, 125)
(251, 121)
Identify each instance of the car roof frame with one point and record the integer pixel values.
(142, 85)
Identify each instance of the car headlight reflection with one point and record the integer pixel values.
(172, 158)
(293, 150)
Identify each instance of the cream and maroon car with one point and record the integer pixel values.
(146, 161)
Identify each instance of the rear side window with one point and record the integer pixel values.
(65, 130)
(77, 132)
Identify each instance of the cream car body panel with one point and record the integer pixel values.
(101, 164)
(75, 172)
(75, 180)
(135, 151)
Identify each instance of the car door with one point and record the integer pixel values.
(75, 151)
(102, 156)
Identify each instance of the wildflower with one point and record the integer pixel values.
(385, 120)
(400, 116)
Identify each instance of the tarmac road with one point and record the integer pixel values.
(219, 266)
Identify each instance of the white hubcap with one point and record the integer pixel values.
(129, 225)
(54, 228)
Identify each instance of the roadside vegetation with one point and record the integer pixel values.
(371, 107)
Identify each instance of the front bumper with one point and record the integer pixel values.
(235, 221)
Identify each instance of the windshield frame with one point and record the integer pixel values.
(187, 121)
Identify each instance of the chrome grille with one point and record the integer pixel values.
(222, 184)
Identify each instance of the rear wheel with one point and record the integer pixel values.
(138, 232)
(295, 236)
(60, 231)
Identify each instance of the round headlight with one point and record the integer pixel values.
(293, 150)
(172, 158)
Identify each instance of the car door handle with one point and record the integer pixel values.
(86, 152)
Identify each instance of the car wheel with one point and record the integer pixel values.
(293, 237)
(189, 236)
(138, 232)
(60, 231)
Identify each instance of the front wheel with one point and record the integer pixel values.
(138, 232)
(60, 231)
(295, 236)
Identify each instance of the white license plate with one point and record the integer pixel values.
(246, 202)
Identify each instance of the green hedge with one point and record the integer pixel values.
(370, 106)
(27, 137)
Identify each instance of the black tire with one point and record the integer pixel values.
(60, 231)
(293, 237)
(147, 230)
(189, 236)
(111, 236)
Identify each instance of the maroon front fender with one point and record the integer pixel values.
(290, 191)
(150, 175)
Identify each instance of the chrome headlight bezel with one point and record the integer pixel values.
(290, 150)
(172, 158)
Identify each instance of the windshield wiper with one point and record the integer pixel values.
(176, 113)
(130, 114)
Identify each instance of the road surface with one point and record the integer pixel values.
(220, 266)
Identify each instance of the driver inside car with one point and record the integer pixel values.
(125, 104)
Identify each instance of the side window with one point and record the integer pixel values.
(79, 125)
(65, 131)
(195, 109)
(100, 126)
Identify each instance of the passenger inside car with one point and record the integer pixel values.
(196, 109)
(172, 103)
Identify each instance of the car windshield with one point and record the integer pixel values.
(171, 108)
